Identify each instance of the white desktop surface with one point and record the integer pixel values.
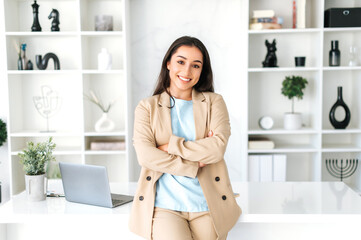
(260, 202)
(271, 211)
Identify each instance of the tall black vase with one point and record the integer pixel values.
(340, 103)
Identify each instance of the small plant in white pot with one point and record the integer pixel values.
(292, 87)
(35, 158)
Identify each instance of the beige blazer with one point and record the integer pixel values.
(152, 128)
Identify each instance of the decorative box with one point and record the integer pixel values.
(343, 17)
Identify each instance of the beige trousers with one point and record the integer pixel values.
(169, 224)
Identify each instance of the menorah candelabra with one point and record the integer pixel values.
(341, 171)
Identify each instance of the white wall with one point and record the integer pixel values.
(156, 24)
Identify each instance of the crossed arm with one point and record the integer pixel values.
(180, 157)
(165, 149)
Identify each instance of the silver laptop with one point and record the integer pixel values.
(89, 184)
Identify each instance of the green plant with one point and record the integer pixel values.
(293, 87)
(35, 157)
(3, 132)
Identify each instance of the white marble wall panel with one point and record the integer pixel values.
(219, 24)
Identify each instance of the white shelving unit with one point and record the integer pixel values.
(77, 46)
(306, 149)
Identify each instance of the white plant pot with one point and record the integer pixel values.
(292, 121)
(36, 187)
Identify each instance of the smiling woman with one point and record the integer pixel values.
(185, 68)
(180, 136)
(192, 55)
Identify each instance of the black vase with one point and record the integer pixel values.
(334, 54)
(340, 103)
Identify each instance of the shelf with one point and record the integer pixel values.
(341, 131)
(101, 33)
(42, 34)
(65, 134)
(104, 134)
(77, 46)
(90, 71)
(341, 68)
(343, 29)
(87, 71)
(31, 72)
(286, 149)
(282, 131)
(32, 133)
(284, 69)
(285, 30)
(340, 148)
(58, 151)
(114, 152)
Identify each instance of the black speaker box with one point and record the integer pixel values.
(343, 17)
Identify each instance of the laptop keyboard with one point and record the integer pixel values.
(117, 201)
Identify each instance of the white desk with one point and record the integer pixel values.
(291, 210)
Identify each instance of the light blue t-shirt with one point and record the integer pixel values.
(181, 193)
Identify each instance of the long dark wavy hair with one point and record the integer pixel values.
(205, 83)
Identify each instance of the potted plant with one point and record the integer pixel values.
(292, 87)
(35, 158)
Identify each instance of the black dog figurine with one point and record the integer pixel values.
(271, 58)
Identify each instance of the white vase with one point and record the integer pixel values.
(104, 60)
(36, 186)
(292, 121)
(104, 124)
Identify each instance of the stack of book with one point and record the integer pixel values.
(265, 19)
(260, 143)
(267, 168)
(107, 145)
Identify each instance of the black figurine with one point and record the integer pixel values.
(42, 63)
(271, 58)
(55, 23)
(36, 25)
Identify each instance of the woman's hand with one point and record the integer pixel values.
(164, 147)
(210, 134)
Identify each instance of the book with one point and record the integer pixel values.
(294, 14)
(263, 13)
(260, 143)
(253, 168)
(278, 20)
(301, 13)
(261, 26)
(279, 167)
(266, 168)
(107, 145)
